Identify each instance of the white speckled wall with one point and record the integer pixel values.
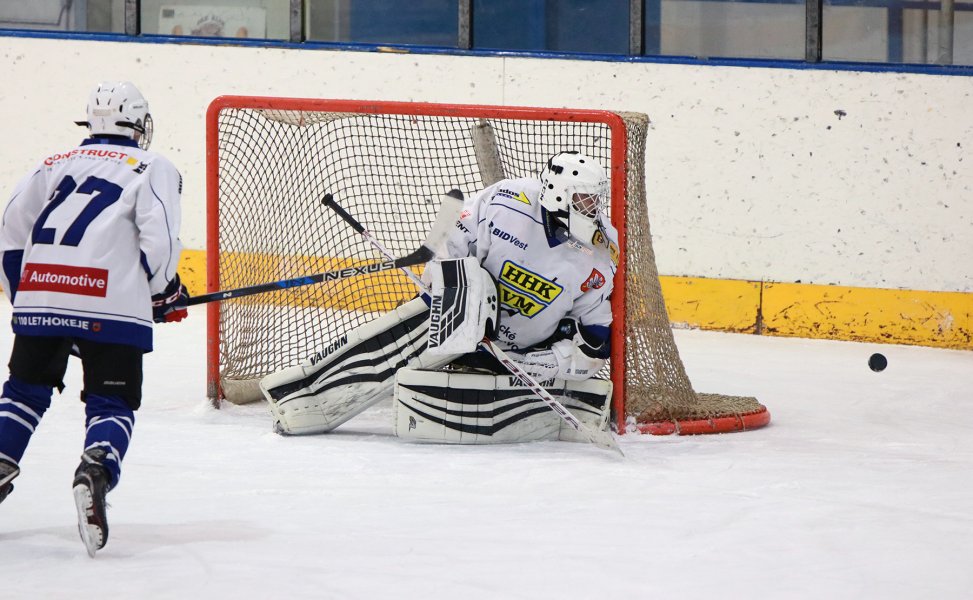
(855, 179)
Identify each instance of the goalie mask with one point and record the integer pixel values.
(118, 108)
(574, 187)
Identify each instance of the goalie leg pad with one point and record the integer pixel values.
(472, 408)
(353, 372)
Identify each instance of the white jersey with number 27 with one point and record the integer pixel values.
(88, 238)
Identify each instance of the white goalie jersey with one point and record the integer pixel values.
(542, 275)
(87, 238)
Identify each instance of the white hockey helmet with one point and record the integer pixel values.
(118, 108)
(575, 187)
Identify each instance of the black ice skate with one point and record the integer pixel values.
(90, 488)
(8, 471)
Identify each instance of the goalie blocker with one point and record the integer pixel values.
(474, 408)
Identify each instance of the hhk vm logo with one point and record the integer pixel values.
(524, 291)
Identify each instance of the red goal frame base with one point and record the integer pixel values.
(729, 424)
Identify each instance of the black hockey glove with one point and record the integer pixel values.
(172, 304)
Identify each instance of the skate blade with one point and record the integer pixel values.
(91, 535)
(9, 477)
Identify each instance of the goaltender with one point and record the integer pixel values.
(541, 246)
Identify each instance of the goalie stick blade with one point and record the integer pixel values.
(604, 440)
(449, 211)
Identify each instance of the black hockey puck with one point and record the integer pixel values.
(877, 362)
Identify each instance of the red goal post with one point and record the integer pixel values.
(271, 160)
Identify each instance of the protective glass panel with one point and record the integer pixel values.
(555, 25)
(716, 28)
(417, 22)
(101, 16)
(241, 19)
(899, 32)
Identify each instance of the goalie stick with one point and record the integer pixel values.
(602, 439)
(448, 212)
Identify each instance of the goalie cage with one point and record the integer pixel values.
(270, 162)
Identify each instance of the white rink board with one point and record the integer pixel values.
(847, 178)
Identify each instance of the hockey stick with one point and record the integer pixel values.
(602, 439)
(445, 219)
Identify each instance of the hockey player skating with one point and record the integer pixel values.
(89, 244)
(543, 247)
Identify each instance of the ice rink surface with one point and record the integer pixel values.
(861, 487)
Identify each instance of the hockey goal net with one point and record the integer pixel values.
(270, 161)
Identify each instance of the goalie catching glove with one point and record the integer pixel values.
(572, 356)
